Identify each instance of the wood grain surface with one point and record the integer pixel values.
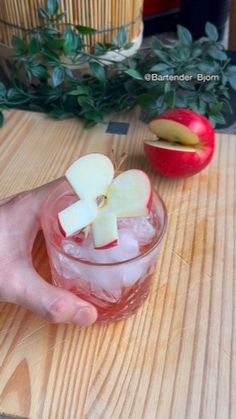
(177, 357)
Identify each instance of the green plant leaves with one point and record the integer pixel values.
(156, 43)
(90, 124)
(134, 74)
(85, 30)
(184, 35)
(211, 31)
(163, 56)
(59, 114)
(3, 90)
(160, 67)
(52, 6)
(197, 52)
(217, 54)
(170, 98)
(94, 116)
(18, 44)
(1, 119)
(217, 119)
(43, 13)
(231, 76)
(146, 100)
(98, 70)
(205, 68)
(58, 74)
(14, 94)
(80, 90)
(39, 71)
(57, 81)
(232, 81)
(34, 46)
(71, 41)
(85, 102)
(121, 38)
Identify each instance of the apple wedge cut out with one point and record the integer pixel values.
(90, 175)
(173, 132)
(77, 216)
(185, 143)
(105, 231)
(166, 145)
(129, 195)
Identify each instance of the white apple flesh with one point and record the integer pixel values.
(77, 216)
(90, 175)
(105, 231)
(129, 194)
(173, 132)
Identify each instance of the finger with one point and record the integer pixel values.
(53, 303)
(21, 215)
(42, 191)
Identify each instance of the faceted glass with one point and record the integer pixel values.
(116, 280)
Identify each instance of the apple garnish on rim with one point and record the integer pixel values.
(103, 197)
(184, 143)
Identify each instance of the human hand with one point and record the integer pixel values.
(19, 282)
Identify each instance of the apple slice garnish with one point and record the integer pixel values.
(90, 175)
(105, 231)
(77, 216)
(103, 200)
(129, 195)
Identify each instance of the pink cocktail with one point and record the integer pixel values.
(116, 280)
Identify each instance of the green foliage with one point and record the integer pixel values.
(211, 32)
(58, 75)
(52, 6)
(98, 70)
(1, 119)
(85, 30)
(63, 78)
(187, 57)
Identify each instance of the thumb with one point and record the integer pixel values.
(53, 303)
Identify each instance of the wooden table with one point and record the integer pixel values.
(177, 357)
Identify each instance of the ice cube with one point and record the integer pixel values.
(127, 248)
(74, 249)
(110, 279)
(141, 228)
(64, 266)
(69, 268)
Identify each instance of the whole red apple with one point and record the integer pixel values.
(185, 143)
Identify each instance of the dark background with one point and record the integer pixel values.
(164, 15)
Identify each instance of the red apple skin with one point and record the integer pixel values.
(150, 201)
(62, 231)
(107, 246)
(175, 163)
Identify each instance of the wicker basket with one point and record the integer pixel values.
(17, 16)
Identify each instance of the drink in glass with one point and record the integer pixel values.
(116, 279)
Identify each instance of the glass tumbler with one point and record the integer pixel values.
(116, 289)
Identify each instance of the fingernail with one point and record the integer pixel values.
(84, 317)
